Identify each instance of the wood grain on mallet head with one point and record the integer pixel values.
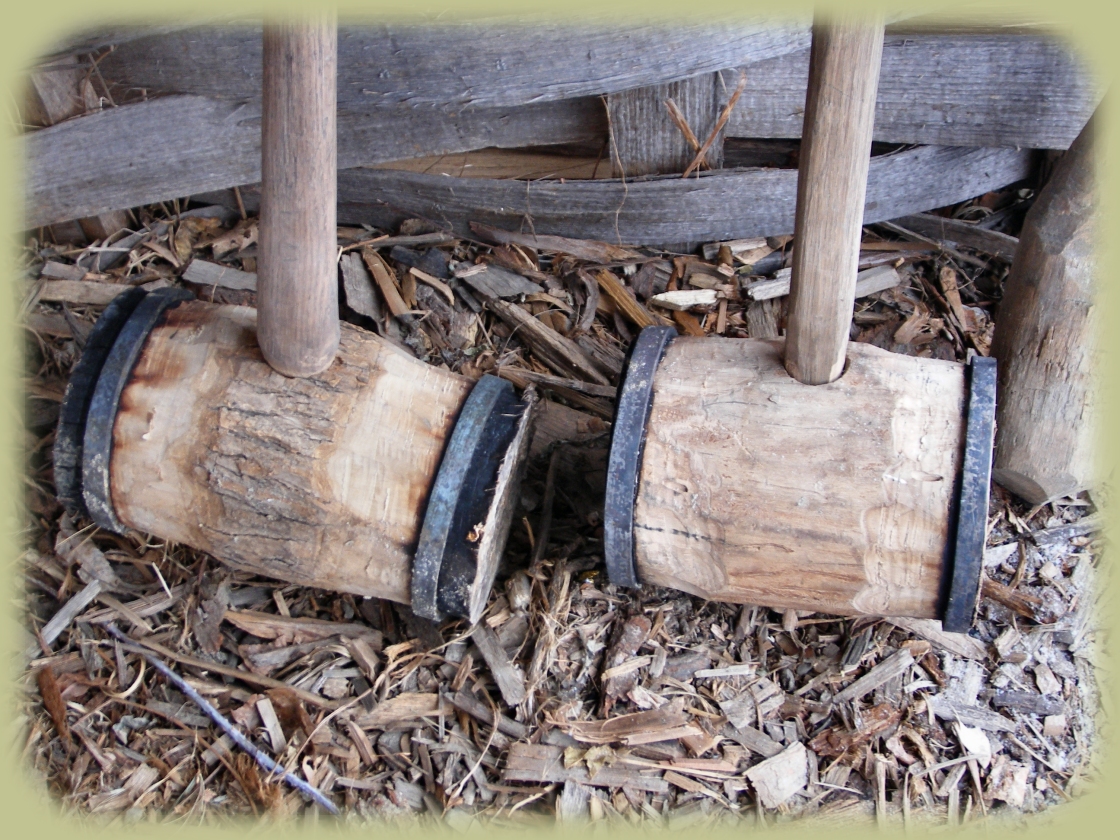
(831, 184)
(298, 288)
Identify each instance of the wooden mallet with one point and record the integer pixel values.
(811, 474)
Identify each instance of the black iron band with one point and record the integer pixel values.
(97, 439)
(963, 589)
(79, 392)
(628, 436)
(446, 556)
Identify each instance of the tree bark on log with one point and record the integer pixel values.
(320, 481)
(1045, 338)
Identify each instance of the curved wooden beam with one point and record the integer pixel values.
(669, 210)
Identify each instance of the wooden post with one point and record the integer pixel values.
(831, 186)
(297, 291)
(320, 480)
(1045, 338)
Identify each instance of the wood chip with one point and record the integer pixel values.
(778, 779)
(543, 763)
(289, 631)
(492, 281)
(406, 708)
(272, 726)
(206, 273)
(929, 629)
(969, 715)
(634, 729)
(624, 299)
(435, 283)
(586, 249)
(80, 293)
(684, 299)
(868, 282)
(894, 665)
(508, 676)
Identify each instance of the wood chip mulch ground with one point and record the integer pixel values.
(572, 699)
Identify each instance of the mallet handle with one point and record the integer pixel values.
(831, 187)
(297, 291)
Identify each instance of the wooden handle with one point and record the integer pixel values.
(831, 188)
(297, 291)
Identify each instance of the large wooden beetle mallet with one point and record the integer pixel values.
(276, 439)
(812, 474)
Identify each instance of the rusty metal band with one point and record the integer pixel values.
(962, 589)
(446, 556)
(628, 436)
(97, 438)
(72, 414)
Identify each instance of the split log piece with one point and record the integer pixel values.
(1045, 338)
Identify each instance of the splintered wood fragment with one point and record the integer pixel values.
(383, 277)
(758, 701)
(1023, 603)
(634, 729)
(492, 281)
(358, 287)
(1027, 702)
(272, 726)
(80, 293)
(888, 669)
(62, 271)
(778, 779)
(66, 614)
(561, 354)
(930, 629)
(868, 282)
(52, 701)
(624, 299)
(544, 380)
(474, 707)
(571, 804)
(299, 630)
(736, 246)
(684, 299)
(968, 714)
(962, 233)
(206, 273)
(632, 636)
(543, 763)
(435, 283)
(744, 670)
(753, 740)
(400, 710)
(47, 323)
(584, 249)
(510, 679)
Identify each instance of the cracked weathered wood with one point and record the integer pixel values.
(1007, 87)
(484, 63)
(644, 139)
(142, 153)
(319, 481)
(728, 204)
(748, 474)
